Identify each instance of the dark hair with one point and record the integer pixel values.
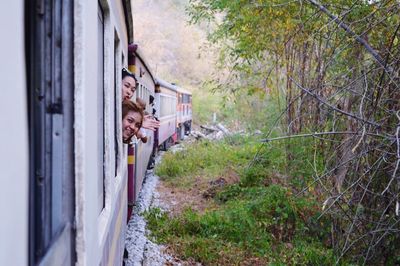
(128, 106)
(127, 73)
(141, 103)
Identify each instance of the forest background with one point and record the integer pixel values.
(321, 81)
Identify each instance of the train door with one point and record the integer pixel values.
(49, 57)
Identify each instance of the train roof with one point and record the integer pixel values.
(181, 90)
(171, 86)
(134, 48)
(165, 84)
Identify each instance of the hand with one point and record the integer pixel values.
(150, 123)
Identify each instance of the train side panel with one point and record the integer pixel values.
(13, 138)
(145, 88)
(100, 48)
(168, 103)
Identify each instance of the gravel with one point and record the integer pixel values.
(141, 250)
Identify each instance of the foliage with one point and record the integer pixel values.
(171, 47)
(325, 79)
(259, 220)
(272, 225)
(205, 104)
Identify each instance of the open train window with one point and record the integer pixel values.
(49, 70)
(140, 89)
(117, 100)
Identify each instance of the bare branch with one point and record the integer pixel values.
(362, 41)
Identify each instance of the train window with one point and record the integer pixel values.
(147, 101)
(145, 98)
(162, 105)
(117, 101)
(100, 109)
(185, 98)
(168, 105)
(49, 68)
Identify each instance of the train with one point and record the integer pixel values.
(69, 181)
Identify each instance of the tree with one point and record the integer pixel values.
(337, 65)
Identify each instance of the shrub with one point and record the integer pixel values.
(258, 222)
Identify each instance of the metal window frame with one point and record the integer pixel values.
(49, 69)
(117, 92)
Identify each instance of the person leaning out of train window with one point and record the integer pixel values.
(132, 118)
(128, 84)
(141, 133)
(128, 89)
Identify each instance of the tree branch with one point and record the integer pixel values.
(362, 41)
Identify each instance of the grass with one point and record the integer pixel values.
(206, 159)
(259, 220)
(274, 228)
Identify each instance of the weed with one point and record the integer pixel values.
(255, 222)
(259, 218)
(206, 159)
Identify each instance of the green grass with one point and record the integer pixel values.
(259, 219)
(261, 225)
(206, 159)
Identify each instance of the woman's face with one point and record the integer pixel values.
(128, 87)
(131, 124)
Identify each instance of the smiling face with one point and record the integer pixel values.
(128, 87)
(131, 124)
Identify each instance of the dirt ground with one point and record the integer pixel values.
(199, 197)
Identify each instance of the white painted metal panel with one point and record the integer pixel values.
(13, 137)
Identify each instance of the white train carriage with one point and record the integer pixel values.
(63, 162)
(166, 104)
(139, 152)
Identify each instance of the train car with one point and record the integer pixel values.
(63, 161)
(139, 152)
(14, 154)
(166, 103)
(184, 113)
